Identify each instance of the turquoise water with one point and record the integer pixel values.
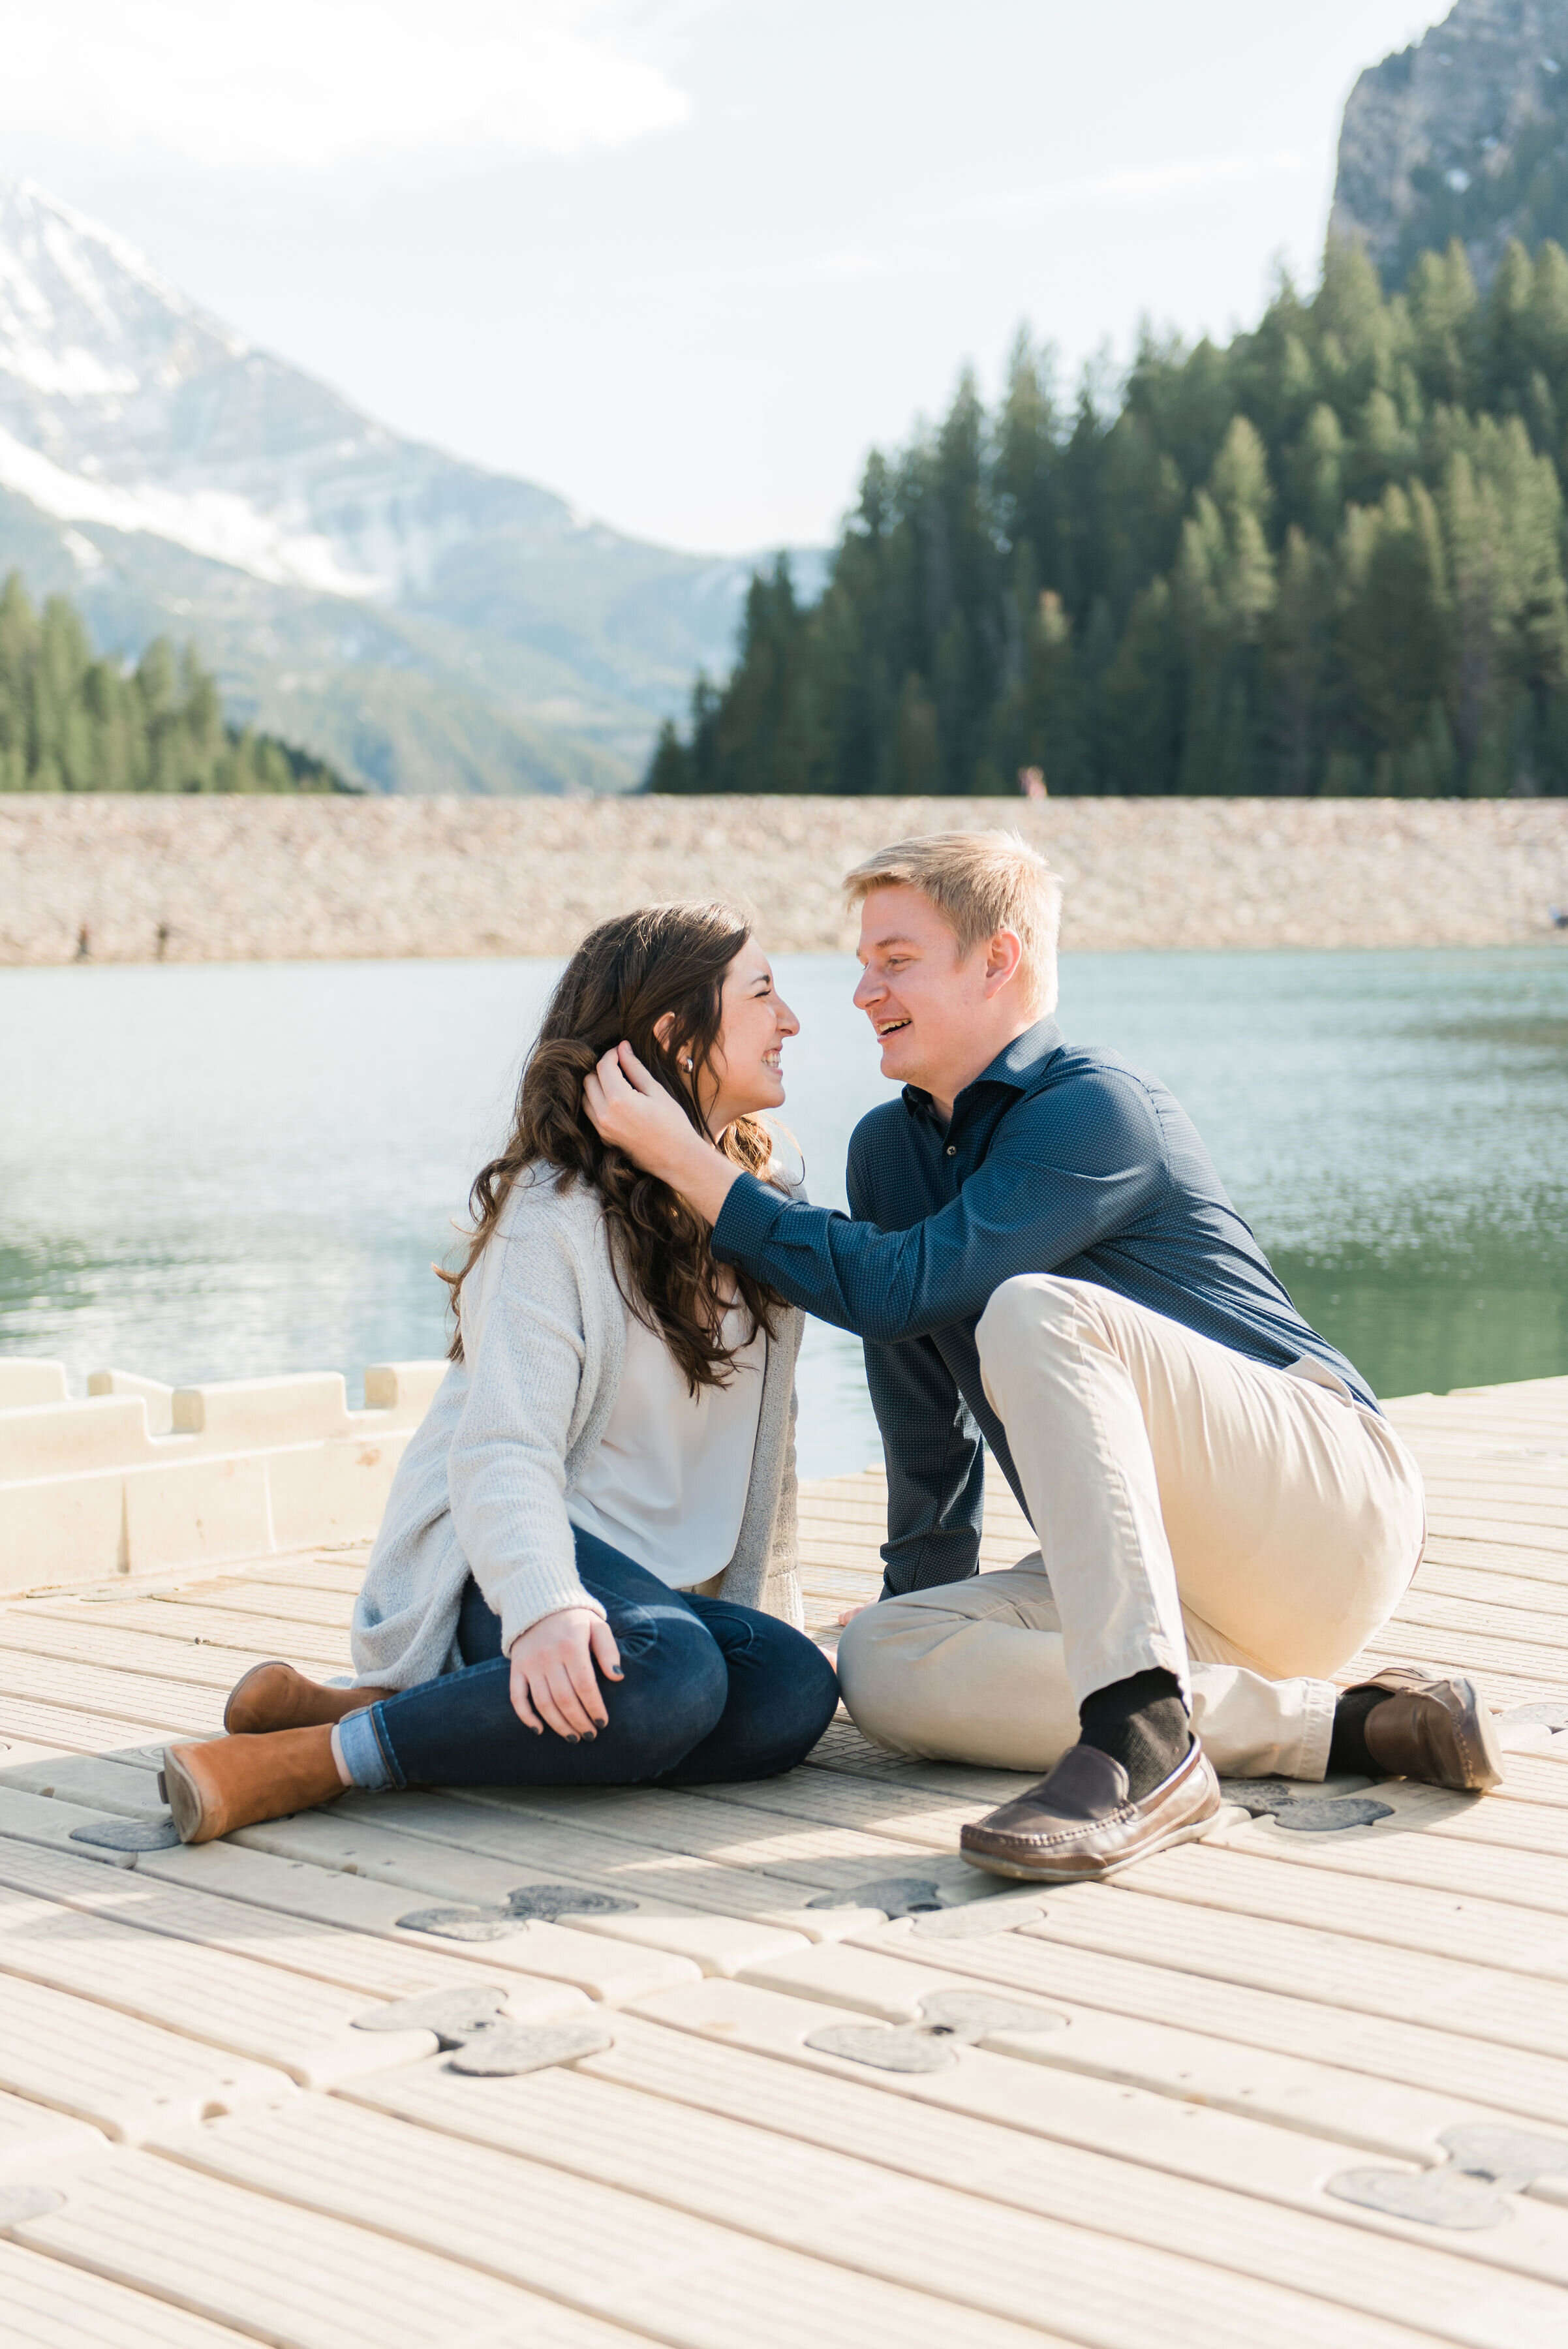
(229, 1170)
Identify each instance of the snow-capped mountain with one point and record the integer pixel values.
(151, 454)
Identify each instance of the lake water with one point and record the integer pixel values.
(229, 1170)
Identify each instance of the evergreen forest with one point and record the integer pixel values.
(70, 722)
(1326, 558)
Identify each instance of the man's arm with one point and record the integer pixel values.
(1061, 1175)
(1053, 1187)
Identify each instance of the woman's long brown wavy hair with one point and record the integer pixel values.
(623, 978)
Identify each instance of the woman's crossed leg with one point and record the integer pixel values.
(708, 1692)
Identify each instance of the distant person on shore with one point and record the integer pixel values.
(586, 1572)
(1040, 1258)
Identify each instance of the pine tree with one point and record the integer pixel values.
(71, 722)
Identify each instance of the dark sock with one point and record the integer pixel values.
(1347, 1750)
(1140, 1723)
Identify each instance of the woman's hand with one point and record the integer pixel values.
(553, 1685)
(630, 1109)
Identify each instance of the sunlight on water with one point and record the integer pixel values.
(227, 1171)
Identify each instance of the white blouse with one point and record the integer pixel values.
(667, 1484)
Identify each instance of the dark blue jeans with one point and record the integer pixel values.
(710, 1692)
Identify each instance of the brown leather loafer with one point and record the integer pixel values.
(237, 1781)
(1433, 1726)
(274, 1696)
(1078, 1825)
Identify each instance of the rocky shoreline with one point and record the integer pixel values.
(251, 879)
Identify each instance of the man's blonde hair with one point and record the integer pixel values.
(980, 882)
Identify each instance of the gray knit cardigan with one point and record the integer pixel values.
(483, 1486)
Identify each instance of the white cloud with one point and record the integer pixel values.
(312, 84)
(1158, 183)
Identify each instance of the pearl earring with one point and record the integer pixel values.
(686, 1064)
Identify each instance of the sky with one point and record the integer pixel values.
(687, 261)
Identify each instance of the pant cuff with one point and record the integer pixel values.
(1319, 1699)
(363, 1745)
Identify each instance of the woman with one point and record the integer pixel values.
(586, 1574)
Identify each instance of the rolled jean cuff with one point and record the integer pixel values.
(366, 1750)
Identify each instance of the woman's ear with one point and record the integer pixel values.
(663, 1029)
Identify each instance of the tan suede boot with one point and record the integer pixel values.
(237, 1781)
(274, 1696)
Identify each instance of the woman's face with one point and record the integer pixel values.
(754, 1022)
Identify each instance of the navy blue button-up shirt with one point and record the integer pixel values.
(1060, 1158)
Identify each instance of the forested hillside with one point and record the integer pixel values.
(1327, 558)
(69, 722)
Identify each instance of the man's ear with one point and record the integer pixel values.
(1004, 955)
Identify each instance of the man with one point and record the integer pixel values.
(1040, 1257)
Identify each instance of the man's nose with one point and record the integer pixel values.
(868, 992)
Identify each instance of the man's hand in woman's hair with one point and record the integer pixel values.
(554, 1684)
(631, 1109)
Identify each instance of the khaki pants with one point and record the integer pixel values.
(1249, 1530)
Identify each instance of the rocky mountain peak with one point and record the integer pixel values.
(83, 315)
(122, 402)
(424, 623)
(1464, 134)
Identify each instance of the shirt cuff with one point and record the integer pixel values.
(530, 1593)
(747, 1219)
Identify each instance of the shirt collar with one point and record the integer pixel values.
(1019, 1064)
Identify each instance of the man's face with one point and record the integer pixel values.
(923, 1003)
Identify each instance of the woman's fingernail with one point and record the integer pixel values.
(571, 1737)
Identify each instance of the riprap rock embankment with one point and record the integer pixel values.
(212, 880)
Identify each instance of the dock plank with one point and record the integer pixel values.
(336, 1953)
(300, 2026)
(34, 2137)
(601, 1968)
(970, 2262)
(160, 1650)
(272, 2270)
(51, 2306)
(117, 2074)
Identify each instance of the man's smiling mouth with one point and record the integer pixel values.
(890, 1027)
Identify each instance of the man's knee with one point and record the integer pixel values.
(862, 1650)
(879, 1653)
(950, 1673)
(1033, 1310)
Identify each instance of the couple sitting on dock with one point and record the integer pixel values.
(587, 1575)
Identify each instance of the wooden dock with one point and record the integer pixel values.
(802, 2080)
